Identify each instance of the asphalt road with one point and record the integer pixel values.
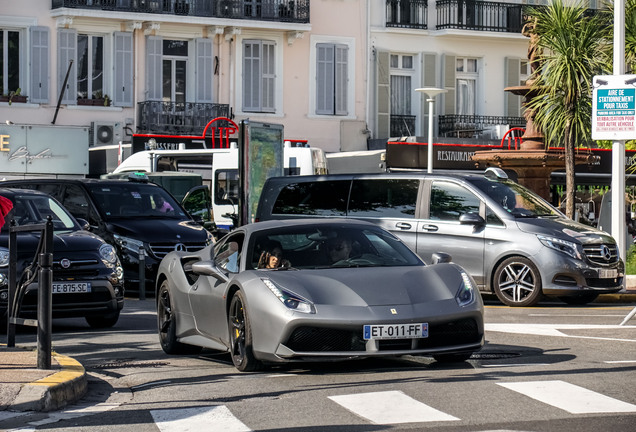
(548, 368)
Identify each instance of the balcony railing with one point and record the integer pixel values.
(480, 15)
(178, 118)
(296, 11)
(407, 13)
(402, 125)
(473, 126)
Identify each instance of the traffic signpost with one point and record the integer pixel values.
(614, 107)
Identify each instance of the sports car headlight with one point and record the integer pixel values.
(108, 253)
(560, 245)
(128, 243)
(4, 257)
(466, 294)
(291, 300)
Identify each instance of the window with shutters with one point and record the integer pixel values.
(11, 60)
(332, 79)
(259, 76)
(402, 92)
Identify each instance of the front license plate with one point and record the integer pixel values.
(607, 273)
(71, 287)
(395, 331)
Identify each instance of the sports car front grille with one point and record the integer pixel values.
(595, 253)
(320, 339)
(160, 250)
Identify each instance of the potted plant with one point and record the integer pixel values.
(14, 96)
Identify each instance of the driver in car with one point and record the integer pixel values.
(339, 249)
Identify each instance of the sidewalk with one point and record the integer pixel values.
(24, 387)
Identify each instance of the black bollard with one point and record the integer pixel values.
(45, 303)
(142, 273)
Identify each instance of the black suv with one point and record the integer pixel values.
(131, 215)
(87, 275)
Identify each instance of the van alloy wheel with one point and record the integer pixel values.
(517, 282)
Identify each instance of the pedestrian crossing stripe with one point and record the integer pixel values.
(390, 407)
(216, 417)
(570, 397)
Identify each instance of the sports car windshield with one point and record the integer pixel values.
(326, 246)
(135, 200)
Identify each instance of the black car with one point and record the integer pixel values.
(87, 274)
(130, 214)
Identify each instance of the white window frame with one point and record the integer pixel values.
(278, 78)
(89, 84)
(21, 24)
(410, 72)
(313, 68)
(462, 77)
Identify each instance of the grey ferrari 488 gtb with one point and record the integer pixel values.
(315, 289)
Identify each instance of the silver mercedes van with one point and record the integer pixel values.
(513, 242)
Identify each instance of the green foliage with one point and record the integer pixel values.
(630, 262)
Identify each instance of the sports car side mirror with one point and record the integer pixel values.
(441, 257)
(208, 268)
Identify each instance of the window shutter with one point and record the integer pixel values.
(341, 79)
(251, 75)
(325, 79)
(382, 95)
(204, 72)
(429, 79)
(123, 92)
(39, 91)
(512, 103)
(67, 51)
(448, 77)
(154, 67)
(268, 63)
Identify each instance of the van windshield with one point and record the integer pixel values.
(135, 200)
(516, 199)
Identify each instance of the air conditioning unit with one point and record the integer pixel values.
(104, 133)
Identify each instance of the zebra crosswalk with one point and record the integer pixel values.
(395, 407)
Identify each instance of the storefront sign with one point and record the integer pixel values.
(35, 149)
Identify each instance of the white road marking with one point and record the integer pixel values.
(619, 361)
(569, 397)
(214, 418)
(390, 407)
(555, 330)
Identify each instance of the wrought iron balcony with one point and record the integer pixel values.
(402, 125)
(480, 15)
(296, 11)
(178, 118)
(407, 13)
(473, 126)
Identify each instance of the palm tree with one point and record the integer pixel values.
(572, 48)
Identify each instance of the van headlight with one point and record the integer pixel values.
(292, 301)
(466, 293)
(128, 243)
(567, 247)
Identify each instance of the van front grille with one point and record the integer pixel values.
(601, 254)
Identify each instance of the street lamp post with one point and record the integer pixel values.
(431, 92)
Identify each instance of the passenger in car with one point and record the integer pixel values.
(161, 205)
(272, 257)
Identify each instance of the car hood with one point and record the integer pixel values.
(566, 229)
(63, 241)
(372, 286)
(159, 230)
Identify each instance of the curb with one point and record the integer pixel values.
(54, 391)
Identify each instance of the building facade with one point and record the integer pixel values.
(336, 73)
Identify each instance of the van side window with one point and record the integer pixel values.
(388, 198)
(76, 202)
(492, 218)
(449, 201)
(328, 198)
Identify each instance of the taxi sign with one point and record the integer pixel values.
(614, 107)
